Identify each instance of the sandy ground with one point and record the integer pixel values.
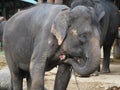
(101, 82)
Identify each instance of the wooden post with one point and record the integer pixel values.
(58, 2)
(50, 1)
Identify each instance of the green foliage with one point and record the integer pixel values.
(2, 53)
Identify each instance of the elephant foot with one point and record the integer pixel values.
(104, 70)
(96, 73)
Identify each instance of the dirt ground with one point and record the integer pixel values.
(101, 82)
(109, 81)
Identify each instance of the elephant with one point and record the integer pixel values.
(107, 28)
(109, 21)
(46, 36)
(2, 23)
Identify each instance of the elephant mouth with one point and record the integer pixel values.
(77, 59)
(62, 57)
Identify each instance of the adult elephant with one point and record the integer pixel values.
(2, 23)
(109, 20)
(38, 39)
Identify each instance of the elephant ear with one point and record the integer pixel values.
(60, 25)
(99, 10)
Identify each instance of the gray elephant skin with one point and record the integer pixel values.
(109, 21)
(35, 39)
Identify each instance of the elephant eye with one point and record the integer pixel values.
(83, 37)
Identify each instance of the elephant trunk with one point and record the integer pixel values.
(92, 60)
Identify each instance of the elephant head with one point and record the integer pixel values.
(96, 4)
(77, 33)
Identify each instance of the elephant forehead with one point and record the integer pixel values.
(81, 10)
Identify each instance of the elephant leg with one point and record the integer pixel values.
(106, 60)
(16, 81)
(11, 85)
(58, 1)
(62, 77)
(37, 76)
(107, 50)
(16, 74)
(37, 69)
(28, 82)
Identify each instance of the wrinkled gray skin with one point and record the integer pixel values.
(109, 20)
(34, 39)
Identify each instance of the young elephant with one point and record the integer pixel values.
(36, 39)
